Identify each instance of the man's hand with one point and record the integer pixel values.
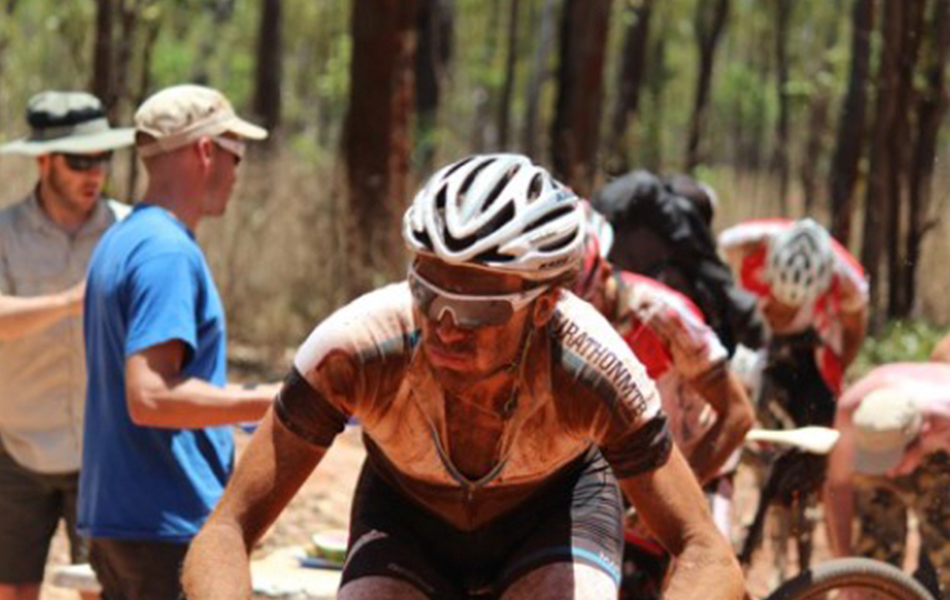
(271, 470)
(673, 507)
(21, 316)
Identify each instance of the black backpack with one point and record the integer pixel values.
(664, 235)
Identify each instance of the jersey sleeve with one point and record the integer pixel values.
(163, 295)
(345, 365)
(693, 346)
(852, 285)
(605, 392)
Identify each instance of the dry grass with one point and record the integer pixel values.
(279, 255)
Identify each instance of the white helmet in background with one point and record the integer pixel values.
(499, 212)
(800, 263)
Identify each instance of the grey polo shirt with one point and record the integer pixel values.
(43, 375)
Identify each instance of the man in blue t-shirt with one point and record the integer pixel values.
(157, 454)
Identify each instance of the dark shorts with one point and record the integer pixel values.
(792, 386)
(576, 519)
(31, 506)
(137, 570)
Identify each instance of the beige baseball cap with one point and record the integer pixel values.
(885, 423)
(179, 115)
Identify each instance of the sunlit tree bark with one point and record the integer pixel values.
(377, 136)
(576, 128)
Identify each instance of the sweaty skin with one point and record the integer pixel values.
(472, 368)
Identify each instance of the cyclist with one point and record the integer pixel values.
(707, 407)
(892, 458)
(497, 410)
(814, 298)
(664, 231)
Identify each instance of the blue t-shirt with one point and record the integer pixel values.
(148, 283)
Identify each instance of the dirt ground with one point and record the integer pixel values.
(323, 504)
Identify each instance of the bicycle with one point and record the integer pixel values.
(861, 577)
(647, 565)
(790, 393)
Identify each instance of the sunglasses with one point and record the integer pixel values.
(87, 162)
(468, 311)
(234, 147)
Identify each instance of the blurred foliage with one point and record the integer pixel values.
(48, 44)
(900, 341)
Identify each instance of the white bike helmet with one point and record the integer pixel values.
(800, 263)
(498, 212)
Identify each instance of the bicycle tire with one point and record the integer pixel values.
(851, 572)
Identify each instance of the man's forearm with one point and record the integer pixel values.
(706, 570)
(839, 512)
(734, 417)
(219, 548)
(22, 316)
(713, 450)
(195, 403)
(854, 331)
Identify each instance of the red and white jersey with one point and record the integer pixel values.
(746, 247)
(668, 334)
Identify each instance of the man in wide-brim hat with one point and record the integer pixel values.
(45, 244)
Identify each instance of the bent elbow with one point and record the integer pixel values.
(142, 407)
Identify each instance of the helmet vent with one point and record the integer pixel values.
(470, 179)
(557, 244)
(554, 214)
(534, 188)
(456, 167)
(500, 186)
(493, 256)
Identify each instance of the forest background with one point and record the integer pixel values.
(831, 108)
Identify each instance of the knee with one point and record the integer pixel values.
(379, 588)
(563, 581)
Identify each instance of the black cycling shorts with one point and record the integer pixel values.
(575, 518)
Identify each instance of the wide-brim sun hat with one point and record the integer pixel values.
(68, 123)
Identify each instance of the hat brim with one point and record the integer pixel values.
(82, 144)
(877, 463)
(246, 130)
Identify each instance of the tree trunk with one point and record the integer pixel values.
(709, 24)
(508, 87)
(881, 174)
(783, 12)
(899, 301)
(819, 112)
(129, 11)
(484, 134)
(851, 123)
(103, 78)
(152, 28)
(931, 109)
(814, 143)
(657, 77)
(538, 76)
(8, 9)
(631, 77)
(434, 49)
(576, 127)
(267, 100)
(221, 13)
(377, 137)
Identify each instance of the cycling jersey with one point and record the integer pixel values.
(580, 386)
(666, 332)
(746, 249)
